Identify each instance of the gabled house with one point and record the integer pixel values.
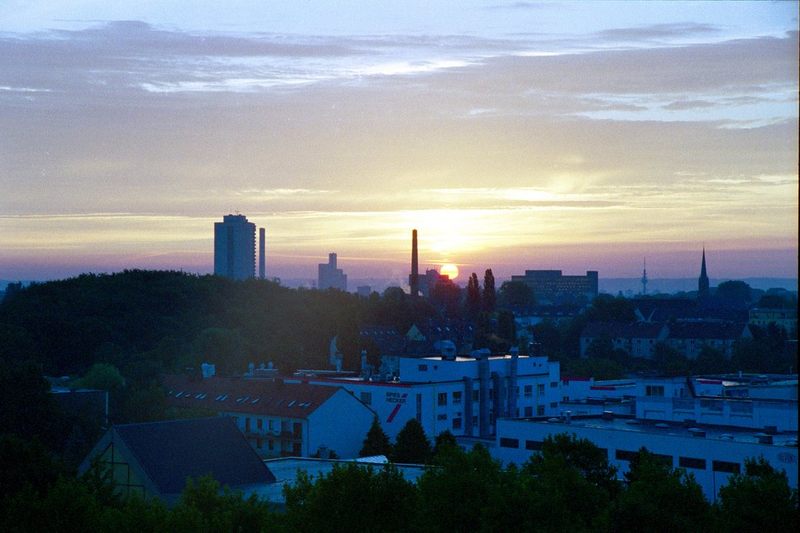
(636, 338)
(279, 419)
(155, 459)
(689, 336)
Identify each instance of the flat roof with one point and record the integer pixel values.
(674, 429)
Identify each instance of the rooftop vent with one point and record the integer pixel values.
(697, 432)
(608, 415)
(763, 438)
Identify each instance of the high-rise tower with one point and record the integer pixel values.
(235, 247)
(702, 283)
(413, 278)
(262, 254)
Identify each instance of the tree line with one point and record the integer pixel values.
(568, 486)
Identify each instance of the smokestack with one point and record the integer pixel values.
(413, 279)
(262, 263)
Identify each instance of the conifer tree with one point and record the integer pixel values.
(473, 296)
(489, 292)
(376, 442)
(412, 446)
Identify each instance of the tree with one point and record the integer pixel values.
(670, 361)
(376, 441)
(445, 442)
(411, 445)
(710, 361)
(516, 294)
(489, 297)
(734, 292)
(658, 497)
(453, 495)
(606, 308)
(102, 376)
(473, 296)
(760, 499)
(351, 497)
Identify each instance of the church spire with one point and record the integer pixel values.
(702, 283)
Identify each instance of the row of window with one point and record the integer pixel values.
(727, 467)
(457, 395)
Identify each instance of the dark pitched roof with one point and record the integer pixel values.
(706, 330)
(625, 330)
(173, 450)
(255, 396)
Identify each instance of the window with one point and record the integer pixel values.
(247, 424)
(258, 443)
(442, 416)
(366, 397)
(691, 462)
(260, 425)
(725, 466)
(534, 445)
(271, 444)
(456, 423)
(528, 391)
(654, 390)
(442, 399)
(457, 397)
(474, 421)
(529, 411)
(625, 455)
(553, 404)
(476, 395)
(540, 389)
(509, 443)
(554, 384)
(540, 410)
(422, 368)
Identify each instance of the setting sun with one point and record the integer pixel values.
(450, 270)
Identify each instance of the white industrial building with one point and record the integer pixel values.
(698, 424)
(463, 395)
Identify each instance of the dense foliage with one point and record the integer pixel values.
(568, 486)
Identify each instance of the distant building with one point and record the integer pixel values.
(331, 277)
(552, 287)
(689, 336)
(279, 419)
(155, 458)
(638, 339)
(364, 291)
(785, 318)
(235, 247)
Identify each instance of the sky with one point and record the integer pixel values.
(512, 135)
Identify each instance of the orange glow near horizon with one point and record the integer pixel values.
(450, 270)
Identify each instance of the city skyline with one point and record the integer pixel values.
(512, 135)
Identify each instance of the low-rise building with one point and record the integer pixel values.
(689, 336)
(638, 339)
(280, 419)
(784, 318)
(708, 425)
(155, 459)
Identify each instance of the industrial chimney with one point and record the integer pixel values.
(413, 279)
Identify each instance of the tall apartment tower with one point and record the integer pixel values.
(331, 277)
(262, 253)
(235, 247)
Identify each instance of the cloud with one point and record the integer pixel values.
(688, 104)
(657, 31)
